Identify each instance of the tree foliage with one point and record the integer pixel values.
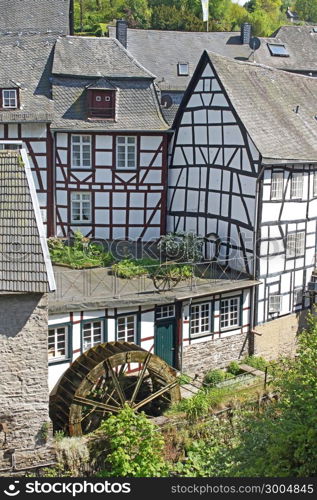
(307, 10)
(224, 15)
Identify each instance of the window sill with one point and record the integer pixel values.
(58, 361)
(79, 223)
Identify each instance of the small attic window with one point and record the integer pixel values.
(183, 69)
(278, 50)
(315, 30)
(9, 99)
(101, 103)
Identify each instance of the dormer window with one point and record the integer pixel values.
(101, 104)
(183, 69)
(9, 99)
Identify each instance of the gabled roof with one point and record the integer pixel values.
(25, 264)
(277, 108)
(25, 63)
(34, 15)
(161, 51)
(95, 57)
(101, 84)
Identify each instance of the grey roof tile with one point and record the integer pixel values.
(266, 100)
(137, 107)
(22, 263)
(34, 15)
(161, 51)
(95, 57)
(25, 62)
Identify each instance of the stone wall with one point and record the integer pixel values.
(24, 381)
(277, 338)
(201, 357)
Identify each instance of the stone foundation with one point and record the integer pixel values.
(278, 338)
(25, 427)
(201, 357)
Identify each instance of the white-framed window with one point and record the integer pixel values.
(163, 312)
(297, 184)
(275, 303)
(277, 186)
(298, 296)
(229, 312)
(57, 342)
(200, 319)
(126, 152)
(295, 244)
(315, 185)
(9, 99)
(183, 69)
(92, 334)
(126, 328)
(80, 207)
(81, 151)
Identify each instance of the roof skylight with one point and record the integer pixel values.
(278, 50)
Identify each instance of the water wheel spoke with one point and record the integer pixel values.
(96, 404)
(155, 395)
(140, 378)
(116, 383)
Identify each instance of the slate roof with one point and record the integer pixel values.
(95, 57)
(160, 51)
(34, 15)
(24, 261)
(137, 107)
(83, 62)
(266, 100)
(25, 62)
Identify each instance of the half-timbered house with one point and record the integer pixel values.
(110, 142)
(243, 166)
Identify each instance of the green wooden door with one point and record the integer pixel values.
(164, 344)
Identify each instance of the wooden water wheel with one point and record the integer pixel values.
(104, 379)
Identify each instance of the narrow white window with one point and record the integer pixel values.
(163, 312)
(183, 69)
(81, 151)
(126, 328)
(295, 244)
(126, 152)
(315, 185)
(92, 334)
(58, 343)
(297, 184)
(229, 312)
(9, 99)
(200, 319)
(80, 208)
(10, 145)
(277, 186)
(275, 303)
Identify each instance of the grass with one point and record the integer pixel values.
(209, 400)
(214, 377)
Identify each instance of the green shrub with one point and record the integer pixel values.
(234, 368)
(131, 446)
(215, 376)
(131, 268)
(257, 362)
(181, 246)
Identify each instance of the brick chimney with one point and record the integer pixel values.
(122, 32)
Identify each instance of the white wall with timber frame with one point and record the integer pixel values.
(213, 169)
(36, 139)
(280, 215)
(126, 204)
